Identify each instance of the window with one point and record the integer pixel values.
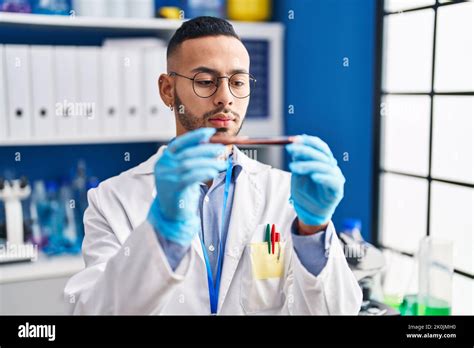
(425, 160)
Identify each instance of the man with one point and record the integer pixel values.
(200, 228)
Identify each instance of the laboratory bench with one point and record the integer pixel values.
(36, 287)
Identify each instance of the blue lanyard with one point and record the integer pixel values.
(214, 288)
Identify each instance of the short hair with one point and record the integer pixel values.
(200, 27)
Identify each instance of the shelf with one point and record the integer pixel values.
(44, 268)
(111, 23)
(88, 22)
(273, 32)
(82, 141)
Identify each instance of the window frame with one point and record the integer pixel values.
(378, 171)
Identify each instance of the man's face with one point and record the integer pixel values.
(223, 56)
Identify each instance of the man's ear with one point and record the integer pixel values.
(166, 88)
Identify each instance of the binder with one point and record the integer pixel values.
(90, 8)
(132, 73)
(117, 8)
(111, 83)
(89, 95)
(3, 98)
(67, 109)
(141, 8)
(42, 83)
(19, 98)
(159, 119)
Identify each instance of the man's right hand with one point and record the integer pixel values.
(183, 165)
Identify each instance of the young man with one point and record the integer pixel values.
(200, 228)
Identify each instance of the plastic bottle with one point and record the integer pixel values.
(356, 249)
(38, 194)
(196, 8)
(19, 6)
(353, 227)
(79, 188)
(249, 10)
(53, 220)
(69, 234)
(51, 7)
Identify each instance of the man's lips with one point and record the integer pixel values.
(220, 122)
(221, 118)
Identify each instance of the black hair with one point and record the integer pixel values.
(200, 27)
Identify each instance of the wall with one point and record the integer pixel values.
(57, 162)
(330, 100)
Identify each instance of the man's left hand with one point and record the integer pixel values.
(317, 183)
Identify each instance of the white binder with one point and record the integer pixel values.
(43, 96)
(90, 8)
(3, 97)
(19, 98)
(159, 119)
(89, 95)
(111, 84)
(141, 8)
(132, 72)
(67, 109)
(117, 8)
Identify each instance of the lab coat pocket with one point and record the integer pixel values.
(263, 278)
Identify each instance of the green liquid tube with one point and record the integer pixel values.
(435, 277)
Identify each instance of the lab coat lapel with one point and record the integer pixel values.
(247, 206)
(197, 246)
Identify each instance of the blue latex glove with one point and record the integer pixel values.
(185, 163)
(317, 183)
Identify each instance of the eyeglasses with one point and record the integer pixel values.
(205, 84)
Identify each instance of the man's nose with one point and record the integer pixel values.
(223, 95)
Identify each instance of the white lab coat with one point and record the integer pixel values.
(127, 271)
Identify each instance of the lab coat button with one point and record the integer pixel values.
(206, 199)
(211, 248)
